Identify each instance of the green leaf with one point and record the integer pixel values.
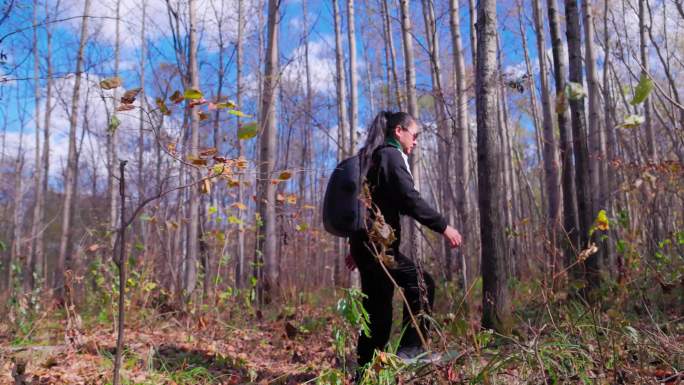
(642, 90)
(192, 94)
(234, 220)
(162, 106)
(575, 91)
(110, 83)
(229, 105)
(212, 210)
(239, 113)
(248, 131)
(633, 121)
(114, 123)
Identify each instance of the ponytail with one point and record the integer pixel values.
(380, 129)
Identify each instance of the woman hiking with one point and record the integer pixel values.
(384, 160)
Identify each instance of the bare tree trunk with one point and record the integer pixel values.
(473, 31)
(609, 130)
(190, 271)
(412, 103)
(240, 266)
(29, 271)
(579, 130)
(462, 140)
(141, 97)
(112, 134)
(41, 260)
(596, 137)
(389, 47)
(266, 202)
(536, 111)
(570, 220)
(643, 52)
(490, 149)
(307, 136)
(341, 87)
(552, 182)
(353, 91)
(510, 182)
(443, 128)
(342, 119)
(72, 163)
(17, 221)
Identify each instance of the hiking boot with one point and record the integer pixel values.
(416, 354)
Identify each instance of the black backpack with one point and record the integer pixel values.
(343, 211)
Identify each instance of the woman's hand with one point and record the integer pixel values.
(453, 236)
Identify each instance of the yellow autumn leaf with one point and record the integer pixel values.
(602, 221)
(285, 175)
(205, 187)
(292, 199)
(239, 206)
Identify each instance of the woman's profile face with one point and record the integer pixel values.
(407, 136)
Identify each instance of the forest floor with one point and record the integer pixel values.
(566, 344)
(177, 350)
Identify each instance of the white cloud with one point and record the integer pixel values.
(103, 24)
(94, 144)
(322, 66)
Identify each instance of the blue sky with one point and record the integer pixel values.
(99, 53)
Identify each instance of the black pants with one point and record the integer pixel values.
(379, 290)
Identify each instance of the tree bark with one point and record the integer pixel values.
(41, 261)
(443, 128)
(190, 271)
(596, 136)
(72, 163)
(112, 135)
(643, 53)
(579, 131)
(267, 191)
(389, 49)
(240, 265)
(412, 103)
(353, 90)
(495, 300)
(570, 219)
(462, 140)
(341, 87)
(552, 182)
(29, 271)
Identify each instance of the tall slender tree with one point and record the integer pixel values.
(239, 49)
(579, 129)
(267, 191)
(443, 127)
(353, 88)
(37, 220)
(193, 234)
(552, 182)
(412, 103)
(570, 219)
(72, 162)
(490, 149)
(461, 138)
(341, 86)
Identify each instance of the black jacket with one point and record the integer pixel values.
(393, 191)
